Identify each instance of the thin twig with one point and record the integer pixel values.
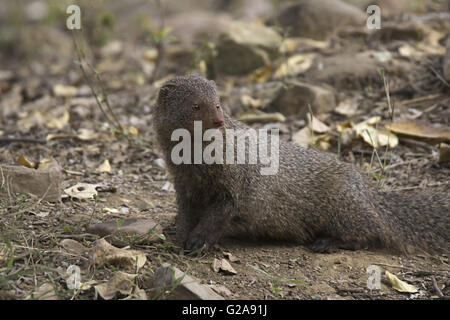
(421, 113)
(420, 99)
(86, 78)
(395, 165)
(106, 100)
(3, 177)
(439, 76)
(436, 288)
(26, 140)
(160, 48)
(114, 122)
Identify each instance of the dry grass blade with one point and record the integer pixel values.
(111, 117)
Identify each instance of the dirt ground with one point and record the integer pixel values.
(136, 185)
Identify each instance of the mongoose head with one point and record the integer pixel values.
(184, 100)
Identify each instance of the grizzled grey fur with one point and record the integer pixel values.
(314, 199)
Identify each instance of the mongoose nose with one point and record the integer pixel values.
(218, 123)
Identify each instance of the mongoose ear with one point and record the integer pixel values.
(166, 89)
(213, 83)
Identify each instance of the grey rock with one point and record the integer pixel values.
(45, 184)
(295, 97)
(165, 282)
(245, 47)
(132, 230)
(318, 19)
(348, 71)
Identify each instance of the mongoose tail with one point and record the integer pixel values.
(422, 218)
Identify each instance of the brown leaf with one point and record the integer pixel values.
(224, 266)
(121, 282)
(103, 252)
(421, 129)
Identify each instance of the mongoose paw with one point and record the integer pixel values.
(176, 250)
(196, 243)
(330, 245)
(324, 245)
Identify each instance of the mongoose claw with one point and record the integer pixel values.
(196, 244)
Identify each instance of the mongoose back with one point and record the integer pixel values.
(314, 199)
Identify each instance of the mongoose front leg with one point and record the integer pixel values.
(186, 218)
(210, 228)
(185, 224)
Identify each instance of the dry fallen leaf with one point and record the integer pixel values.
(375, 137)
(322, 141)
(53, 136)
(121, 282)
(83, 135)
(111, 210)
(224, 266)
(399, 285)
(61, 90)
(86, 134)
(112, 48)
(104, 167)
(378, 138)
(260, 75)
(431, 43)
(168, 186)
(35, 118)
(420, 129)
(73, 246)
(303, 137)
(409, 51)
(133, 131)
(27, 163)
(347, 107)
(41, 165)
(262, 117)
(216, 265)
(150, 55)
(230, 257)
(250, 102)
(46, 163)
(44, 292)
(295, 65)
(82, 191)
(103, 252)
(290, 45)
(343, 126)
(316, 125)
(58, 122)
(137, 294)
(85, 286)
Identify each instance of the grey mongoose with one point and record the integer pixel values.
(314, 199)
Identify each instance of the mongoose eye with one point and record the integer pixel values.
(195, 107)
(218, 106)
